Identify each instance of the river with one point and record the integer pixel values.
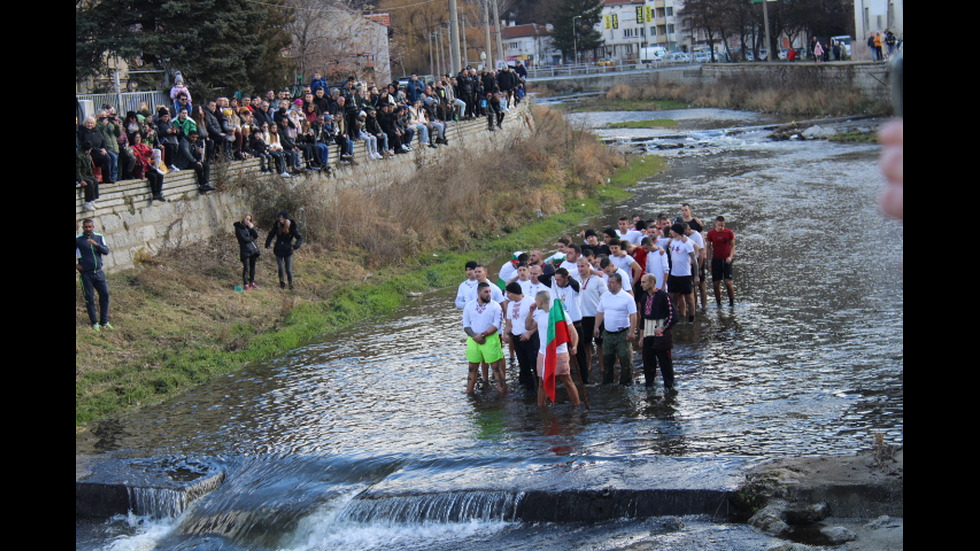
(809, 361)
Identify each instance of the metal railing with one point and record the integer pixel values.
(594, 68)
(124, 101)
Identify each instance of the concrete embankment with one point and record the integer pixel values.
(867, 77)
(137, 228)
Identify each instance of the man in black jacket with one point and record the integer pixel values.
(90, 247)
(657, 313)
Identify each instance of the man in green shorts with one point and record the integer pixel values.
(482, 320)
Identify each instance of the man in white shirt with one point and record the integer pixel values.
(523, 342)
(467, 289)
(591, 288)
(625, 232)
(682, 278)
(702, 255)
(621, 258)
(657, 263)
(616, 314)
(608, 269)
(482, 319)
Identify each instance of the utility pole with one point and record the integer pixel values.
(453, 37)
(463, 60)
(496, 24)
(575, 37)
(486, 26)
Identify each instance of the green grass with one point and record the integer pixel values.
(186, 328)
(649, 123)
(602, 103)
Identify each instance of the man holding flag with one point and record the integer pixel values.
(555, 333)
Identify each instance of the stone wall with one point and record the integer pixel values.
(868, 77)
(136, 229)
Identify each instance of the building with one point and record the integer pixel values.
(628, 25)
(530, 44)
(876, 16)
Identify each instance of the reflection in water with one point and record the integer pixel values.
(809, 361)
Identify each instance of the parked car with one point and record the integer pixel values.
(678, 57)
(651, 54)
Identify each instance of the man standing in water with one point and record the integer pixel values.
(683, 271)
(539, 319)
(721, 249)
(482, 319)
(616, 314)
(467, 289)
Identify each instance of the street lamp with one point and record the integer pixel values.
(575, 36)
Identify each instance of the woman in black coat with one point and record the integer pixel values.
(248, 248)
(288, 239)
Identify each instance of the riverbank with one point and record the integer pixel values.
(178, 322)
(802, 100)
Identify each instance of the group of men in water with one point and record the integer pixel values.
(629, 283)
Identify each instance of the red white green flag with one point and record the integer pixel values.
(557, 336)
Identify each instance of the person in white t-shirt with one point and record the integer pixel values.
(523, 342)
(482, 321)
(591, 287)
(467, 289)
(538, 320)
(657, 263)
(683, 257)
(621, 258)
(702, 255)
(608, 269)
(616, 314)
(625, 232)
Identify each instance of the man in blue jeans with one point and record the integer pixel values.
(90, 247)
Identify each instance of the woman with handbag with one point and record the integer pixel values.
(248, 246)
(657, 314)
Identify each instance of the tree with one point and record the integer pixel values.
(704, 18)
(575, 26)
(214, 43)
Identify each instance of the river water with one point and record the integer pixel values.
(809, 361)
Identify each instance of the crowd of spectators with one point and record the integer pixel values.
(289, 134)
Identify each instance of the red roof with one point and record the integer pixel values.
(529, 29)
(382, 18)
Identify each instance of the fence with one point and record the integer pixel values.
(90, 104)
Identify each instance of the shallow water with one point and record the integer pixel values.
(809, 361)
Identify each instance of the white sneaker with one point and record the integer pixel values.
(89, 206)
(286, 175)
(173, 168)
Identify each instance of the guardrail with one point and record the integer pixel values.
(594, 68)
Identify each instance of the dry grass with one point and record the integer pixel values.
(178, 322)
(792, 92)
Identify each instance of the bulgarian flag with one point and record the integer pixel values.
(557, 336)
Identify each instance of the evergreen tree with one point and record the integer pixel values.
(585, 15)
(219, 45)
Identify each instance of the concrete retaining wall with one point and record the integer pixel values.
(134, 228)
(868, 77)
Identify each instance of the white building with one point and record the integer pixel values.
(628, 25)
(530, 44)
(876, 16)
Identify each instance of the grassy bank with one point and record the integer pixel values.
(178, 323)
(798, 97)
